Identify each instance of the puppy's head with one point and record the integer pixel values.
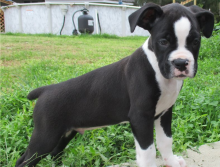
(175, 35)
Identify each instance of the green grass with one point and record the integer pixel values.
(30, 61)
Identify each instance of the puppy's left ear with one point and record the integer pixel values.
(145, 17)
(205, 19)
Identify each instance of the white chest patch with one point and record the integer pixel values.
(170, 88)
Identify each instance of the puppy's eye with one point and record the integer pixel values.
(163, 42)
(196, 42)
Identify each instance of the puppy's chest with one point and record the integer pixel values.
(169, 93)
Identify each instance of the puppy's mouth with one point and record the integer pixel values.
(178, 73)
(181, 74)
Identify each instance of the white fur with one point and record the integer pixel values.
(82, 130)
(169, 87)
(145, 158)
(169, 91)
(182, 28)
(164, 145)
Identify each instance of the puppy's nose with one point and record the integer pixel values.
(180, 64)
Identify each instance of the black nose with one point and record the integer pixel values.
(180, 64)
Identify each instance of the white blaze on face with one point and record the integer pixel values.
(181, 29)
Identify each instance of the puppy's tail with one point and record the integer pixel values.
(35, 93)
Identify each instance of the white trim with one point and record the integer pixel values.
(90, 1)
(61, 3)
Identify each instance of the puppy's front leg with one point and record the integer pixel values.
(164, 140)
(142, 128)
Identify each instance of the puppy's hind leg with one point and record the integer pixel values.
(21, 159)
(58, 150)
(41, 144)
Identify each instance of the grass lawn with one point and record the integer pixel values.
(31, 61)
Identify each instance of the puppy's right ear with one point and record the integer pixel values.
(145, 16)
(205, 19)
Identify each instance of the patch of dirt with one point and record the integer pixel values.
(208, 156)
(9, 63)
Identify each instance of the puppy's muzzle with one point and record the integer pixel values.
(181, 67)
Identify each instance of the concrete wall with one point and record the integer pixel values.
(48, 18)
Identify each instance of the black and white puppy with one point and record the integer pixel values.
(140, 89)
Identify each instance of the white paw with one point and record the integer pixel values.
(146, 164)
(175, 161)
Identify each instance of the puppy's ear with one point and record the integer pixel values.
(145, 17)
(205, 19)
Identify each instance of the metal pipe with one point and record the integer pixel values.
(49, 18)
(96, 22)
